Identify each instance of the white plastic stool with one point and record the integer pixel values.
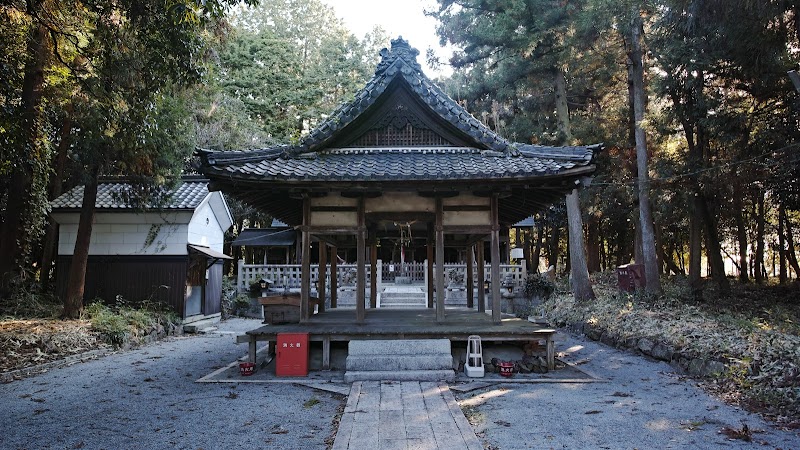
(474, 364)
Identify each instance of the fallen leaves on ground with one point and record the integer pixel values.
(755, 333)
(740, 434)
(26, 343)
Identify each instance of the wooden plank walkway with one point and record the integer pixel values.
(404, 416)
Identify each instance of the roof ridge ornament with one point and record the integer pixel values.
(400, 49)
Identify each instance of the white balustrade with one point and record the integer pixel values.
(283, 275)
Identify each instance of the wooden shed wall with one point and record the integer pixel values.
(135, 278)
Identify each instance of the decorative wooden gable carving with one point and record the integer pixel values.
(399, 121)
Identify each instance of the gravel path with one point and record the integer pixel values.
(644, 405)
(147, 399)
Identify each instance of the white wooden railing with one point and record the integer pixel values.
(283, 275)
(516, 272)
(288, 275)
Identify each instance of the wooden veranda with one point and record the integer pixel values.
(457, 326)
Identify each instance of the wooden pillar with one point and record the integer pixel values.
(334, 276)
(470, 278)
(505, 255)
(439, 230)
(496, 317)
(373, 271)
(430, 265)
(305, 267)
(326, 352)
(361, 270)
(481, 277)
(323, 271)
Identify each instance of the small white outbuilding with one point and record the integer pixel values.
(170, 253)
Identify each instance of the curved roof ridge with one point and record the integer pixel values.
(584, 153)
(401, 60)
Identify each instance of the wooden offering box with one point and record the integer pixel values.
(283, 308)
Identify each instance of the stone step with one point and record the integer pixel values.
(403, 300)
(399, 362)
(199, 326)
(403, 294)
(405, 375)
(403, 305)
(399, 347)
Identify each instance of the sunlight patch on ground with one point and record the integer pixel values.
(573, 349)
(482, 398)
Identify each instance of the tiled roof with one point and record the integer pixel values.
(401, 62)
(487, 154)
(112, 196)
(413, 163)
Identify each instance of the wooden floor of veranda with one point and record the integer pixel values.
(340, 324)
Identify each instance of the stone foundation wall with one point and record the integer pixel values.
(695, 365)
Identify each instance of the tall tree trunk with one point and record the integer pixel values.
(621, 251)
(593, 244)
(713, 248)
(671, 266)
(581, 285)
(15, 220)
(638, 252)
(791, 256)
(562, 107)
(56, 189)
(645, 228)
(537, 251)
(553, 247)
(741, 231)
(695, 249)
(73, 302)
(760, 226)
(783, 274)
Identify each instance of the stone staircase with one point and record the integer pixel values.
(399, 360)
(407, 296)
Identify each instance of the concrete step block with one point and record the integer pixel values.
(404, 301)
(399, 362)
(406, 375)
(403, 294)
(404, 306)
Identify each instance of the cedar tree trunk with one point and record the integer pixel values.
(760, 226)
(741, 232)
(581, 286)
(13, 227)
(645, 228)
(73, 302)
(56, 189)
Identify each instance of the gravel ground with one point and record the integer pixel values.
(147, 398)
(644, 405)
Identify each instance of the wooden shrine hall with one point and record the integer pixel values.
(401, 151)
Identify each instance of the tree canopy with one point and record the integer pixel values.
(718, 107)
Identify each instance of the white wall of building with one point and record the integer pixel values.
(204, 229)
(127, 233)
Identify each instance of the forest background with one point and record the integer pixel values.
(691, 98)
